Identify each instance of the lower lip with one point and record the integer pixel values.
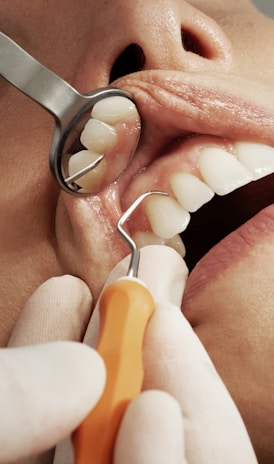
(230, 250)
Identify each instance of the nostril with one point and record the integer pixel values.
(192, 44)
(131, 60)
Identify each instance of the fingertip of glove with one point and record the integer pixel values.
(85, 369)
(151, 430)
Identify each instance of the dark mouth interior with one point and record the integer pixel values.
(223, 215)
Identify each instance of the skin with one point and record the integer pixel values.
(45, 232)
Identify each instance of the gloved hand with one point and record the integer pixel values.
(47, 389)
(185, 414)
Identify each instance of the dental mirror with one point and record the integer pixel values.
(96, 134)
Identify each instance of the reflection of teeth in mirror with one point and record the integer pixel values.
(85, 170)
(92, 180)
(222, 171)
(149, 238)
(114, 109)
(256, 157)
(98, 136)
(190, 191)
(166, 217)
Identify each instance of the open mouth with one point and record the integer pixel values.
(215, 188)
(219, 172)
(215, 182)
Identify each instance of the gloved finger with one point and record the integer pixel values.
(176, 362)
(58, 310)
(151, 431)
(163, 271)
(45, 392)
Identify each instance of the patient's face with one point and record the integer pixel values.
(202, 76)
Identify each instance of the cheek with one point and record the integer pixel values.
(27, 205)
(27, 189)
(234, 318)
(252, 36)
(26, 133)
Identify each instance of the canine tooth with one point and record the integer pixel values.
(92, 179)
(114, 109)
(222, 171)
(98, 136)
(256, 157)
(166, 217)
(149, 238)
(190, 191)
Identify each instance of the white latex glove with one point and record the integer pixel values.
(204, 426)
(45, 392)
(164, 272)
(186, 415)
(190, 418)
(47, 389)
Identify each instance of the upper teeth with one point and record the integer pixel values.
(218, 171)
(160, 210)
(190, 191)
(81, 160)
(114, 109)
(258, 159)
(221, 172)
(99, 136)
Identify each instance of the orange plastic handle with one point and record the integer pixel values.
(125, 308)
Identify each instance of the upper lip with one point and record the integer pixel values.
(218, 104)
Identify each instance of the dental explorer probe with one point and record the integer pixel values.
(125, 308)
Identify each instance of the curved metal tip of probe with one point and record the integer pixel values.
(135, 253)
(84, 171)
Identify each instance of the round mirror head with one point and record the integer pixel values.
(98, 145)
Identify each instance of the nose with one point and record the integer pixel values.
(160, 34)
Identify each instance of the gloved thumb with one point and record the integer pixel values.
(45, 392)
